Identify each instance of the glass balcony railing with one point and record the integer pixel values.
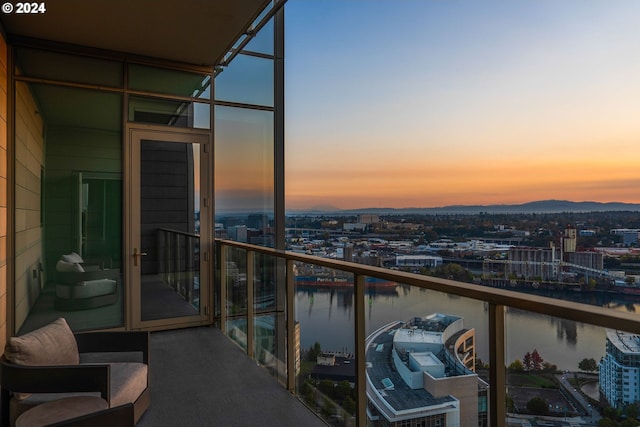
(368, 346)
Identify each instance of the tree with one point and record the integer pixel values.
(527, 362)
(480, 364)
(349, 405)
(343, 390)
(453, 271)
(328, 408)
(588, 365)
(613, 413)
(314, 352)
(326, 387)
(536, 360)
(606, 422)
(629, 422)
(510, 404)
(632, 411)
(538, 406)
(516, 365)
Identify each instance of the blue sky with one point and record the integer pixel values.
(399, 103)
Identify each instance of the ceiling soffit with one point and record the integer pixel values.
(198, 32)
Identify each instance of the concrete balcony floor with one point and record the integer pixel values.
(200, 378)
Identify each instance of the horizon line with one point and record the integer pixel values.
(550, 201)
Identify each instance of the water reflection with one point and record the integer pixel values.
(327, 316)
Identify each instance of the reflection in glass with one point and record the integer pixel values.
(182, 114)
(68, 68)
(244, 167)
(266, 273)
(237, 331)
(269, 348)
(169, 229)
(248, 80)
(170, 82)
(263, 41)
(236, 282)
(325, 336)
(269, 301)
(68, 207)
(423, 350)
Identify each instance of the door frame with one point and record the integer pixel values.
(134, 135)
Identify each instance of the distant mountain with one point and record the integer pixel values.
(316, 209)
(541, 206)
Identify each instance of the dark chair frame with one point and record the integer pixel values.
(76, 378)
(120, 416)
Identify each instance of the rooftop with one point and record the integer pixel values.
(625, 342)
(380, 367)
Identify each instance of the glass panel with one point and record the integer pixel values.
(236, 303)
(182, 114)
(269, 302)
(236, 282)
(169, 229)
(68, 68)
(424, 352)
(553, 364)
(264, 286)
(269, 344)
(170, 82)
(325, 315)
(244, 175)
(247, 80)
(68, 207)
(263, 41)
(237, 331)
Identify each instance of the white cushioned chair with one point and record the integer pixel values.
(53, 363)
(80, 287)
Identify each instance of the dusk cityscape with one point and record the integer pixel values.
(587, 257)
(490, 143)
(345, 213)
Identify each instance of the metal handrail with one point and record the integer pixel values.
(597, 316)
(181, 233)
(497, 299)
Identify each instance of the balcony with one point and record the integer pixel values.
(263, 298)
(200, 377)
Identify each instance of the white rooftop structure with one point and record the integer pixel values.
(624, 341)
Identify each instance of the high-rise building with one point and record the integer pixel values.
(421, 372)
(569, 239)
(619, 372)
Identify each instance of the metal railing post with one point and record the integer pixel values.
(361, 351)
(250, 308)
(223, 286)
(188, 268)
(292, 339)
(497, 375)
(496, 299)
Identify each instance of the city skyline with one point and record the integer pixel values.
(427, 104)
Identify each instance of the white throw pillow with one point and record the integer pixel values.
(69, 267)
(72, 257)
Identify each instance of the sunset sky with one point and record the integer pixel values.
(424, 103)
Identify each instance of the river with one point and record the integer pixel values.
(327, 317)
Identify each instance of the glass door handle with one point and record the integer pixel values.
(137, 255)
